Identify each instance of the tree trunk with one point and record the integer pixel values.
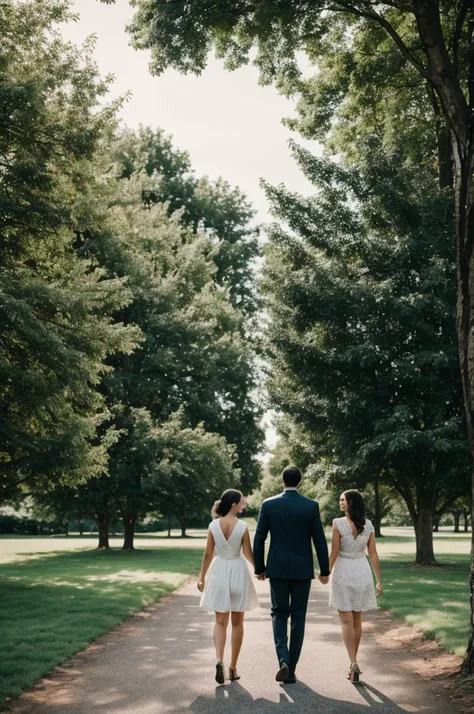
(129, 522)
(465, 318)
(457, 520)
(378, 511)
(81, 528)
(103, 522)
(424, 532)
(169, 527)
(466, 522)
(66, 528)
(468, 664)
(183, 529)
(436, 525)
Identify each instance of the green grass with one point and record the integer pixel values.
(53, 605)
(434, 600)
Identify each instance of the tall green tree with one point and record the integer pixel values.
(207, 207)
(194, 355)
(194, 467)
(56, 309)
(217, 218)
(361, 287)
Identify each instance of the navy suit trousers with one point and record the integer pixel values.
(289, 600)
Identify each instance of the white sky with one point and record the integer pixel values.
(230, 125)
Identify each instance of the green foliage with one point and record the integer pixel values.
(182, 34)
(192, 470)
(127, 292)
(56, 310)
(213, 209)
(361, 294)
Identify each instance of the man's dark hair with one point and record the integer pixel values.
(291, 476)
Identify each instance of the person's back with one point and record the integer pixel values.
(293, 522)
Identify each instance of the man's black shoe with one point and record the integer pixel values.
(291, 679)
(283, 673)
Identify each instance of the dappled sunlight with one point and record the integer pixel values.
(457, 605)
(139, 576)
(45, 582)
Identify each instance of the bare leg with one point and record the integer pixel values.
(220, 631)
(237, 636)
(357, 619)
(348, 634)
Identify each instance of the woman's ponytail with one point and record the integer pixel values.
(228, 499)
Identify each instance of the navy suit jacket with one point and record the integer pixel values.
(293, 522)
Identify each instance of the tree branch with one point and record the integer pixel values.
(458, 31)
(342, 5)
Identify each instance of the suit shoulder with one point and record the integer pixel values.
(271, 500)
(310, 502)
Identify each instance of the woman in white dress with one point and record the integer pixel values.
(352, 582)
(225, 581)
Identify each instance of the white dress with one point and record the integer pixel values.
(352, 582)
(229, 585)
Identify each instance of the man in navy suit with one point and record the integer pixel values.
(293, 522)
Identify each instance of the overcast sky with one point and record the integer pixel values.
(230, 125)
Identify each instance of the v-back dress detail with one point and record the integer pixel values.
(352, 582)
(229, 585)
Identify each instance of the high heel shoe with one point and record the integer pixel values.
(233, 676)
(354, 672)
(220, 677)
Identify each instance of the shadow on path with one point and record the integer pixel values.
(293, 698)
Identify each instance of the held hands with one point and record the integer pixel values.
(200, 586)
(323, 579)
(378, 589)
(261, 576)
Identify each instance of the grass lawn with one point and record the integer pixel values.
(434, 600)
(53, 605)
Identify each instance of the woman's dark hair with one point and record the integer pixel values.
(228, 499)
(356, 508)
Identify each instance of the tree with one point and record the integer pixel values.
(62, 503)
(361, 296)
(56, 309)
(434, 40)
(193, 469)
(212, 208)
(194, 353)
(461, 508)
(216, 217)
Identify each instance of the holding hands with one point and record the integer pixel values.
(323, 579)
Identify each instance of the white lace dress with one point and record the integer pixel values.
(352, 582)
(229, 585)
